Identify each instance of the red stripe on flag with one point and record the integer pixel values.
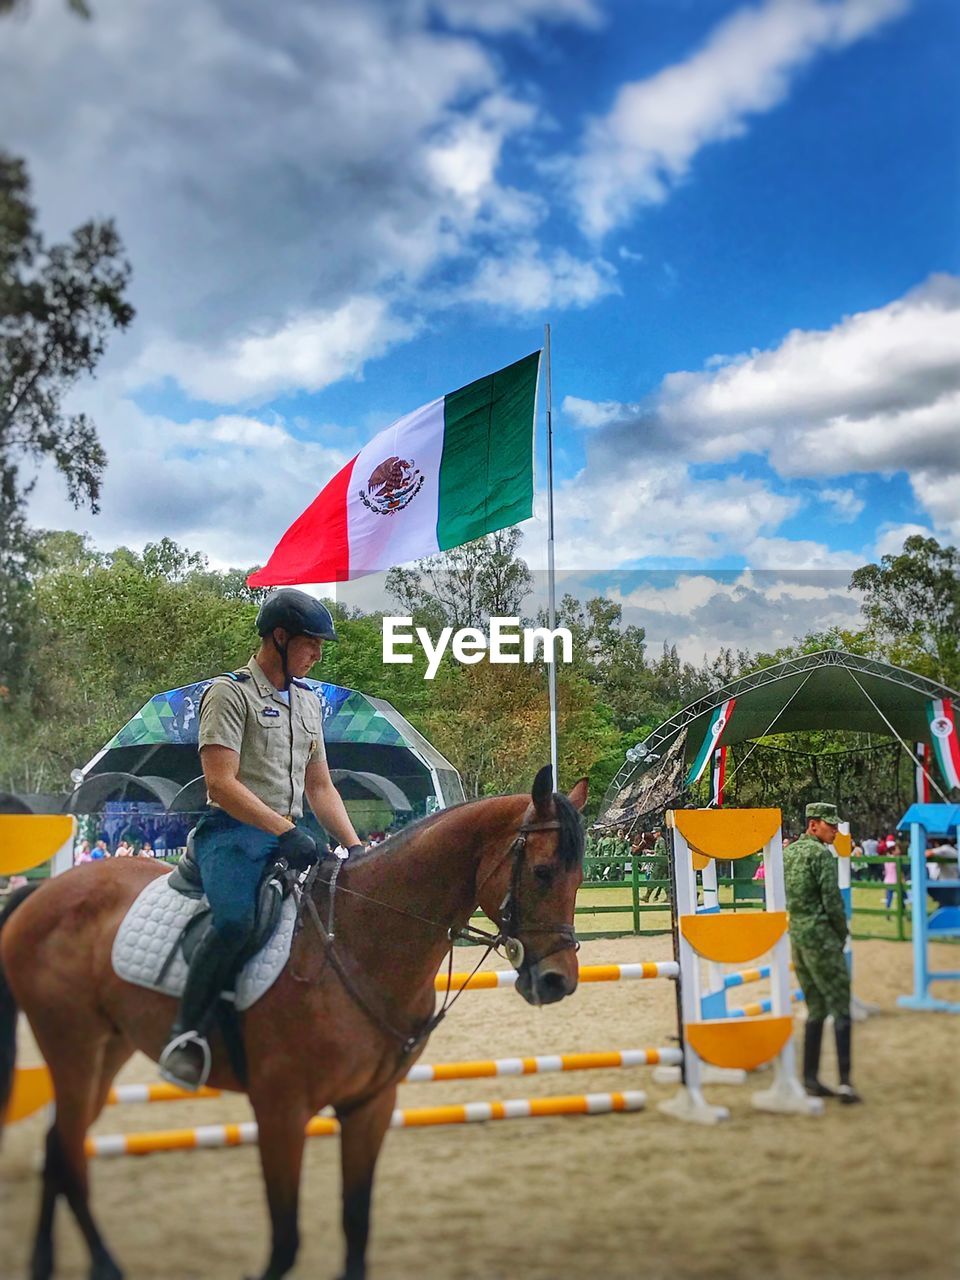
(952, 742)
(316, 547)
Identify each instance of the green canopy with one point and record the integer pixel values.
(825, 690)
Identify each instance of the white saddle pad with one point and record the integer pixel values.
(154, 923)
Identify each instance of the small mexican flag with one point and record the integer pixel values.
(457, 468)
(943, 734)
(718, 776)
(921, 773)
(718, 722)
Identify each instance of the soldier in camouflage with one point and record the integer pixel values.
(818, 932)
(657, 868)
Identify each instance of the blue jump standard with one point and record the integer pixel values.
(926, 820)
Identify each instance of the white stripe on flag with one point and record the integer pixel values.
(410, 532)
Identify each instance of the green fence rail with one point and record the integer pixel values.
(617, 898)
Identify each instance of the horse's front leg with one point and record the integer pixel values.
(361, 1137)
(281, 1121)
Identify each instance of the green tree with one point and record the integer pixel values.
(58, 306)
(109, 630)
(911, 602)
(466, 585)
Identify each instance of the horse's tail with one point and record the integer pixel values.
(8, 1008)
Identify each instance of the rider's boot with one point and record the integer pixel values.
(812, 1042)
(186, 1059)
(843, 1030)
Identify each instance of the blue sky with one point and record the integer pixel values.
(740, 219)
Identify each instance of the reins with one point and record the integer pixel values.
(507, 935)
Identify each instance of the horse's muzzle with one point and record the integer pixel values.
(545, 983)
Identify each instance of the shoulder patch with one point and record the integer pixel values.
(301, 684)
(237, 676)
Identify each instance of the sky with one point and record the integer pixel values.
(740, 219)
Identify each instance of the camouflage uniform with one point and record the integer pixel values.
(657, 870)
(607, 847)
(818, 927)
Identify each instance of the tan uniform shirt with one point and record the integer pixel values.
(275, 742)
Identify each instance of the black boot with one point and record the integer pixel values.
(843, 1030)
(186, 1059)
(812, 1042)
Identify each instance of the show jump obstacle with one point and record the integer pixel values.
(730, 1044)
(926, 820)
(700, 837)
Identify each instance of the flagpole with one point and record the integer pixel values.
(551, 573)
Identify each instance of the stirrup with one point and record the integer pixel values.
(184, 1041)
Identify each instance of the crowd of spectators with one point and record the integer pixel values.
(124, 848)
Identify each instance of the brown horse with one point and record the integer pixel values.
(341, 1025)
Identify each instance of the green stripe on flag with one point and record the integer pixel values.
(486, 471)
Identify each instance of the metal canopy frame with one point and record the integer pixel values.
(645, 753)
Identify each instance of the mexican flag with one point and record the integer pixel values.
(922, 773)
(453, 470)
(718, 776)
(943, 734)
(718, 722)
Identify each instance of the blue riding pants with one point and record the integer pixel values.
(231, 856)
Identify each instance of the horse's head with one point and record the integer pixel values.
(531, 891)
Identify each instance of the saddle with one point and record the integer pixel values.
(274, 889)
(166, 922)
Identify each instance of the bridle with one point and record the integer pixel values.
(509, 915)
(509, 926)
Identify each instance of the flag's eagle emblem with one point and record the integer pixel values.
(392, 486)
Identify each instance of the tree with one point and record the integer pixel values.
(492, 723)
(109, 630)
(58, 306)
(912, 605)
(466, 585)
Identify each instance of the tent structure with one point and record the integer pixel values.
(829, 689)
(372, 750)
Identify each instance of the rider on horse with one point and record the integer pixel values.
(261, 748)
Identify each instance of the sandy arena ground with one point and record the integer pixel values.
(866, 1192)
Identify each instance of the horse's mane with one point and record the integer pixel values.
(570, 845)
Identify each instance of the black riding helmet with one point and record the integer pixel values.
(297, 613)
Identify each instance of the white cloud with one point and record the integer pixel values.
(877, 393)
(891, 538)
(590, 414)
(308, 352)
(287, 181)
(528, 280)
(797, 553)
(648, 140)
(703, 613)
(939, 493)
(609, 516)
(846, 504)
(229, 486)
(495, 17)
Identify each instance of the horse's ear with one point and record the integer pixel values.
(542, 793)
(578, 795)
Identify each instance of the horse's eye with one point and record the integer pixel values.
(543, 875)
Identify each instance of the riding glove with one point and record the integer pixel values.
(299, 848)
